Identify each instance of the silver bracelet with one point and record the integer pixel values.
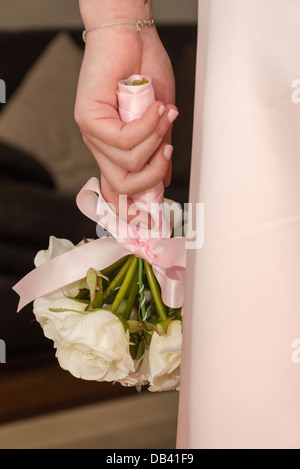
(138, 23)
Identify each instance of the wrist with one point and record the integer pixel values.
(100, 11)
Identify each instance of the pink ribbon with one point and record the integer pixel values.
(166, 255)
(68, 268)
(133, 101)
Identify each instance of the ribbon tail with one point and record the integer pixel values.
(87, 198)
(68, 268)
(172, 285)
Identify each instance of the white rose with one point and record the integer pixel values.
(57, 247)
(161, 363)
(135, 377)
(90, 346)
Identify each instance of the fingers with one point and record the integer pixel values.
(123, 154)
(130, 183)
(153, 172)
(113, 198)
(134, 159)
(105, 124)
(122, 210)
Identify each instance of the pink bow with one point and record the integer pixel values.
(166, 255)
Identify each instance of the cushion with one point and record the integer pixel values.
(39, 118)
(19, 51)
(17, 165)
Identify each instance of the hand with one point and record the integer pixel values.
(130, 156)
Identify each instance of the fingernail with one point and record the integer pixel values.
(168, 150)
(172, 114)
(161, 110)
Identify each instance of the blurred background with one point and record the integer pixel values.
(43, 165)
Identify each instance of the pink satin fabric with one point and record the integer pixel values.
(133, 102)
(240, 388)
(68, 268)
(166, 255)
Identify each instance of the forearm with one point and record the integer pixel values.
(97, 11)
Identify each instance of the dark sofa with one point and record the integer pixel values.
(31, 205)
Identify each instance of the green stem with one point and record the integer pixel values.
(133, 289)
(125, 285)
(141, 285)
(118, 279)
(155, 292)
(115, 266)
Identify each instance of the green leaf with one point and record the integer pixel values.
(176, 312)
(133, 350)
(65, 310)
(100, 274)
(98, 301)
(134, 326)
(123, 321)
(137, 345)
(92, 283)
(162, 327)
(134, 344)
(140, 350)
(82, 294)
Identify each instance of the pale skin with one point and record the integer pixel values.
(136, 156)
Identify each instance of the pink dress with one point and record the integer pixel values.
(240, 385)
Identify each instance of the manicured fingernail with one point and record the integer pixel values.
(168, 150)
(161, 110)
(172, 114)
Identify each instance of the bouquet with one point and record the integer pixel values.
(113, 306)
